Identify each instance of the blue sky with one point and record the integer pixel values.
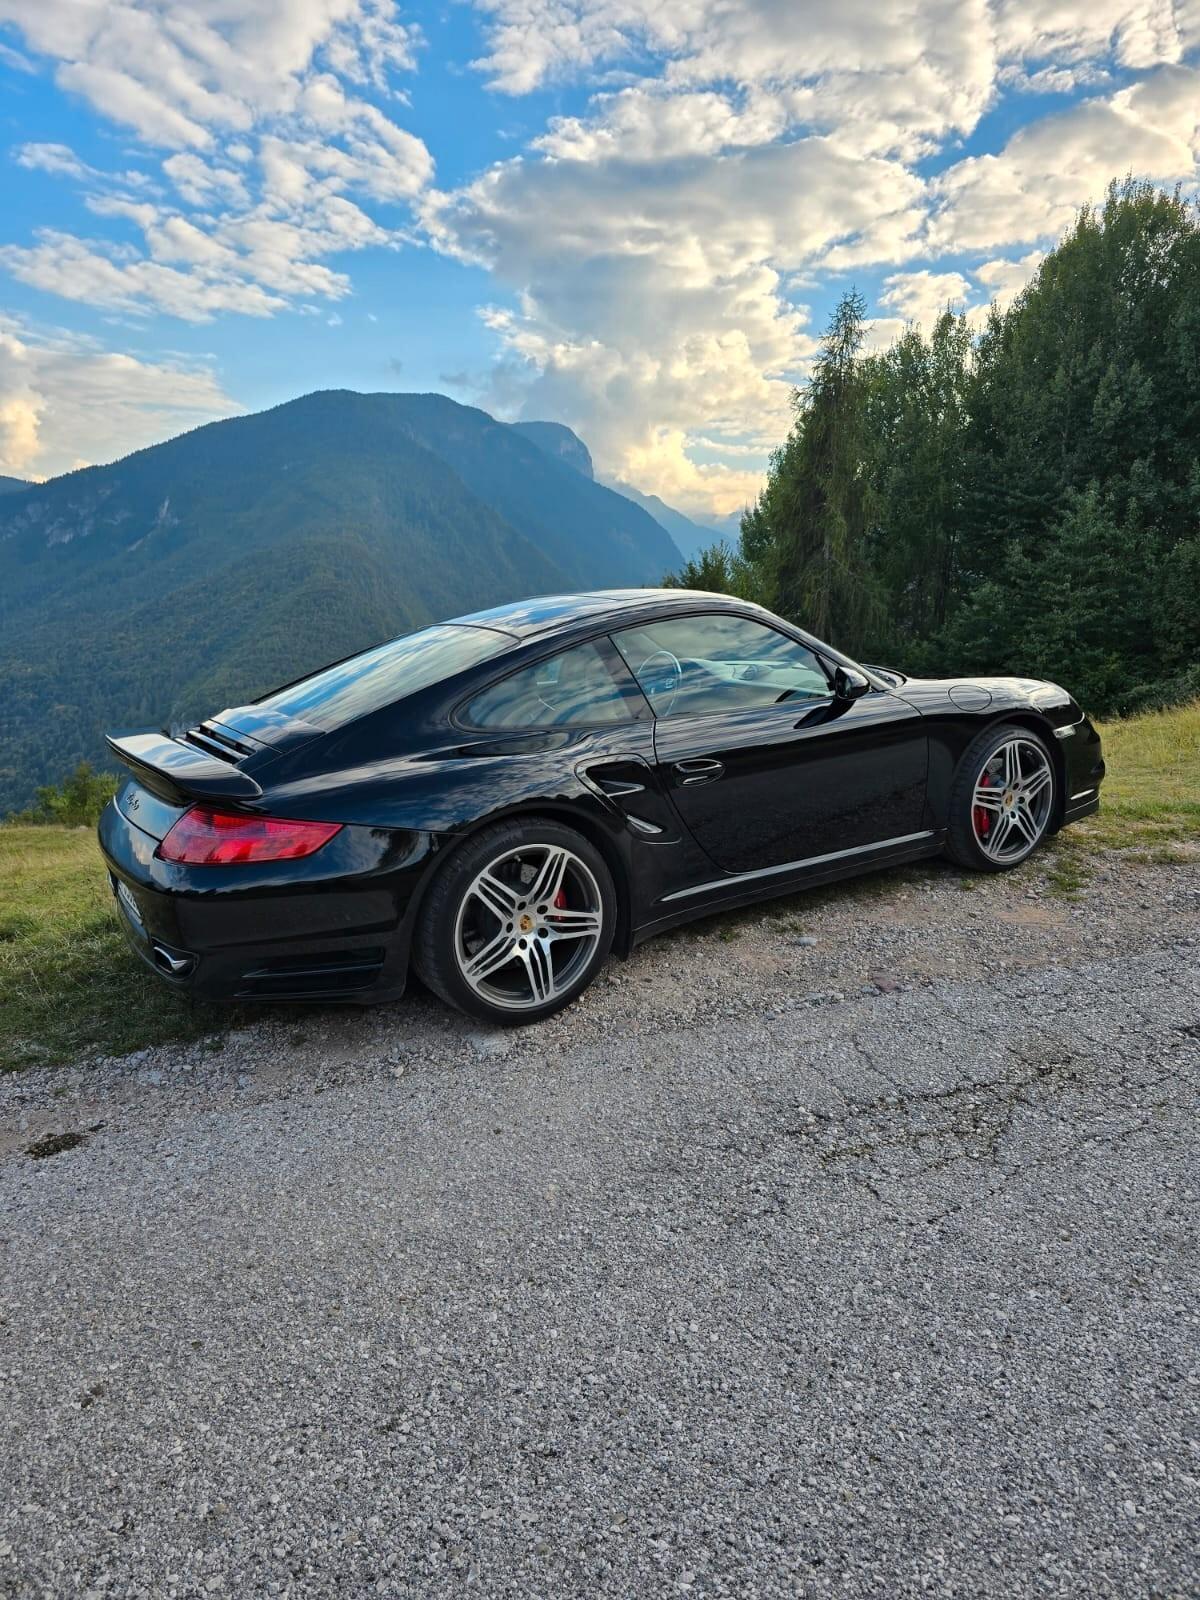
(633, 216)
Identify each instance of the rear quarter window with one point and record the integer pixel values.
(575, 689)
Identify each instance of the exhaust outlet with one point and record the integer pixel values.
(175, 966)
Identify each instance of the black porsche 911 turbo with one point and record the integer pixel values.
(502, 799)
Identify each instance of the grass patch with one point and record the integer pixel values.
(1166, 855)
(1151, 795)
(1069, 870)
(69, 984)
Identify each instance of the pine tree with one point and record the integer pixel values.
(808, 536)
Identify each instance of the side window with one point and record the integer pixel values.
(690, 666)
(573, 690)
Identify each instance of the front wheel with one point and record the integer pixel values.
(1002, 800)
(518, 922)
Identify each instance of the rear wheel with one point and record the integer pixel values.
(518, 922)
(1002, 800)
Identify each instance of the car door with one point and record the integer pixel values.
(763, 763)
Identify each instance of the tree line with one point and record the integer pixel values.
(1024, 498)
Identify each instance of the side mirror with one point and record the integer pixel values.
(849, 684)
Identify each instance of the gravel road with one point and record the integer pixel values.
(847, 1247)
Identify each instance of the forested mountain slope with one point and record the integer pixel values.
(690, 537)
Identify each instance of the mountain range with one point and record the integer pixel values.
(691, 537)
(202, 571)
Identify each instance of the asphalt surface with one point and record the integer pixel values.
(720, 1284)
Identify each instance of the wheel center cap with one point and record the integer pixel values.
(1009, 798)
(525, 923)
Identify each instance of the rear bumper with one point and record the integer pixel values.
(333, 927)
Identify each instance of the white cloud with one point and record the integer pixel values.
(1033, 188)
(1141, 33)
(646, 123)
(376, 45)
(270, 153)
(66, 401)
(650, 296)
(95, 273)
(923, 296)
(710, 41)
(881, 77)
(1003, 279)
(778, 41)
(202, 183)
(258, 255)
(182, 72)
(1051, 80)
(254, 262)
(57, 159)
(60, 161)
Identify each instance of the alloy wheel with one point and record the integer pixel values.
(1012, 800)
(528, 926)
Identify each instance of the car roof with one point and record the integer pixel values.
(549, 613)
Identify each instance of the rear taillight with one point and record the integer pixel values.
(206, 838)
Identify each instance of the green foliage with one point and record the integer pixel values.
(809, 534)
(75, 803)
(917, 408)
(717, 569)
(1024, 501)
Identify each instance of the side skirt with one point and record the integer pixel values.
(750, 891)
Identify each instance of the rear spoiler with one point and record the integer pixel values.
(174, 771)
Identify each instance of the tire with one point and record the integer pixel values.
(517, 923)
(994, 832)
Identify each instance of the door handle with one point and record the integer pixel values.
(701, 770)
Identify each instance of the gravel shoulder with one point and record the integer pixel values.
(846, 1246)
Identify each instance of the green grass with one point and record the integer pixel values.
(1069, 870)
(1151, 795)
(69, 984)
(68, 981)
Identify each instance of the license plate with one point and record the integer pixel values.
(130, 906)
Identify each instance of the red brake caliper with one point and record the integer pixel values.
(560, 900)
(983, 817)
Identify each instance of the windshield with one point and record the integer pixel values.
(337, 695)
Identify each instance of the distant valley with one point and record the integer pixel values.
(689, 537)
(204, 570)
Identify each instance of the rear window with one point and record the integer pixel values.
(374, 679)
